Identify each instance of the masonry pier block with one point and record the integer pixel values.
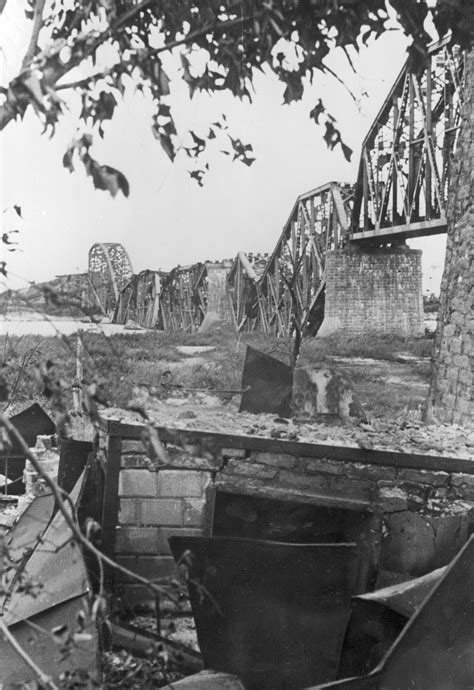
(218, 304)
(374, 289)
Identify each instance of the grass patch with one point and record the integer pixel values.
(119, 362)
(368, 345)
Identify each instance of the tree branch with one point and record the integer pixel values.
(37, 24)
(54, 70)
(40, 675)
(58, 497)
(82, 82)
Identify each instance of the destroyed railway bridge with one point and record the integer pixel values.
(341, 260)
(372, 517)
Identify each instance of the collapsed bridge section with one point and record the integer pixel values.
(342, 250)
(289, 292)
(110, 269)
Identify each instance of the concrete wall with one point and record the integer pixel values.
(378, 290)
(423, 515)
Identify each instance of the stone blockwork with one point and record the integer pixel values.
(218, 299)
(422, 517)
(374, 290)
(452, 391)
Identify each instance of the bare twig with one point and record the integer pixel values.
(60, 498)
(342, 82)
(45, 680)
(37, 24)
(26, 359)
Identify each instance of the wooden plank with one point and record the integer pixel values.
(111, 494)
(216, 440)
(230, 484)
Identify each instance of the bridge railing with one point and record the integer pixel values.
(402, 183)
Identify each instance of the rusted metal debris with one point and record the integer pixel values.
(267, 384)
(434, 651)
(28, 530)
(46, 603)
(273, 614)
(405, 598)
(30, 423)
(378, 618)
(72, 461)
(144, 643)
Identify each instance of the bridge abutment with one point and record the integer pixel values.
(377, 289)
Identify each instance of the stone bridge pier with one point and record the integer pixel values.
(375, 289)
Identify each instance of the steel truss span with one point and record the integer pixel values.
(110, 270)
(401, 192)
(183, 298)
(402, 184)
(288, 292)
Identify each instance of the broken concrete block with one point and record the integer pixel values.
(418, 544)
(324, 392)
(409, 544)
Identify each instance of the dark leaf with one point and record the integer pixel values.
(197, 140)
(317, 111)
(164, 82)
(347, 151)
(198, 176)
(167, 146)
(105, 106)
(109, 179)
(67, 159)
(6, 237)
(18, 210)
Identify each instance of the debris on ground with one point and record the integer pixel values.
(191, 412)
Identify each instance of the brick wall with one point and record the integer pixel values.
(425, 513)
(452, 391)
(378, 290)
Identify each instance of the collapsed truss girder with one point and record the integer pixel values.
(286, 293)
(110, 269)
(183, 299)
(401, 191)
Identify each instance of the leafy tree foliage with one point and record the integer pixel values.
(218, 44)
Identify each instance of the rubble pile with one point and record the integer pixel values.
(207, 413)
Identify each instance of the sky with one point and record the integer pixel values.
(168, 219)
